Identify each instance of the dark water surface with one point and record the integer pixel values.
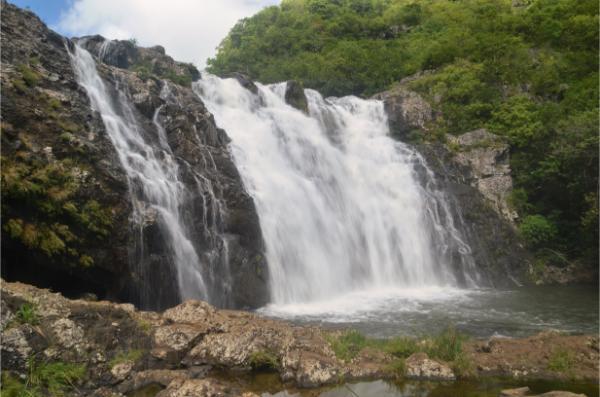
(480, 313)
(268, 385)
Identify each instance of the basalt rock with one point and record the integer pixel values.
(67, 214)
(294, 96)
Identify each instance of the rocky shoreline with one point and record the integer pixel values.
(117, 350)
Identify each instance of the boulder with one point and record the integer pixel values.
(420, 366)
(295, 97)
(407, 111)
(524, 392)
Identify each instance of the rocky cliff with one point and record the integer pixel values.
(473, 170)
(67, 216)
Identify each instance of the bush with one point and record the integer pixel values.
(537, 230)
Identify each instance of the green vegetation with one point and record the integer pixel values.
(29, 76)
(145, 70)
(50, 218)
(27, 314)
(561, 361)
(526, 70)
(446, 346)
(44, 378)
(263, 360)
(129, 355)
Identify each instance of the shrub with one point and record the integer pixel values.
(561, 361)
(30, 77)
(537, 230)
(263, 360)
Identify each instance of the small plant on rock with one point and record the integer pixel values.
(263, 360)
(27, 314)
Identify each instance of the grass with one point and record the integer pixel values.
(27, 314)
(30, 77)
(446, 346)
(263, 360)
(43, 378)
(122, 357)
(561, 361)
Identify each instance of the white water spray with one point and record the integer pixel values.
(342, 206)
(152, 173)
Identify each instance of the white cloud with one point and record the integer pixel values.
(190, 30)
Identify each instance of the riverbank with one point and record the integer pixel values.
(108, 349)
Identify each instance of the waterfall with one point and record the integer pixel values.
(157, 193)
(342, 206)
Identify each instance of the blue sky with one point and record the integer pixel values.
(190, 30)
(48, 10)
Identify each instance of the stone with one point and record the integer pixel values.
(190, 312)
(487, 157)
(142, 379)
(518, 392)
(15, 349)
(122, 370)
(244, 81)
(68, 334)
(407, 111)
(177, 337)
(420, 366)
(524, 391)
(196, 388)
(295, 97)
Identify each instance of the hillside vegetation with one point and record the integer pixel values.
(525, 69)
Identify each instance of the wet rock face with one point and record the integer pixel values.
(52, 141)
(295, 97)
(48, 126)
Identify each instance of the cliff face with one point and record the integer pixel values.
(66, 201)
(473, 170)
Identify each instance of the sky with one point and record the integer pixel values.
(190, 30)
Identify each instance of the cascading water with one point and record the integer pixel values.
(342, 206)
(153, 176)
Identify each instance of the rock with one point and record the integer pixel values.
(53, 122)
(15, 349)
(419, 366)
(487, 156)
(524, 391)
(191, 311)
(196, 388)
(295, 97)
(68, 334)
(244, 81)
(407, 111)
(178, 337)
(121, 371)
(518, 392)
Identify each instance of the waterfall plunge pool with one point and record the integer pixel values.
(479, 313)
